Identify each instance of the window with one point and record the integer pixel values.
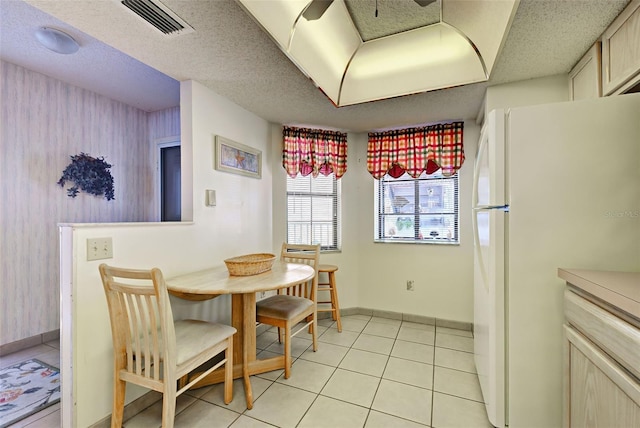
(420, 210)
(313, 211)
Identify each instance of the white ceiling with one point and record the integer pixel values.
(230, 54)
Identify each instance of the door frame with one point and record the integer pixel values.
(161, 143)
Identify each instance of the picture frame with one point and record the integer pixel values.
(231, 156)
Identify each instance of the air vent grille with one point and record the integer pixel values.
(158, 15)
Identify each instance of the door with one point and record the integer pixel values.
(489, 224)
(489, 309)
(170, 182)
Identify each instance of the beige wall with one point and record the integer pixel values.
(544, 90)
(43, 122)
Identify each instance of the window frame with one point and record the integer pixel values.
(335, 196)
(416, 214)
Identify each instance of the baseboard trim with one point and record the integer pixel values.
(419, 319)
(132, 409)
(29, 342)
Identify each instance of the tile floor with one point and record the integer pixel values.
(377, 373)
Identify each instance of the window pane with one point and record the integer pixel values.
(313, 211)
(322, 184)
(400, 197)
(437, 227)
(322, 209)
(396, 226)
(299, 208)
(299, 233)
(434, 218)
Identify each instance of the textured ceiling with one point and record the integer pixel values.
(231, 55)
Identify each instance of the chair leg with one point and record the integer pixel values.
(228, 371)
(279, 335)
(119, 390)
(334, 300)
(314, 333)
(287, 351)
(169, 403)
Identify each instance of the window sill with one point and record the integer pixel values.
(338, 250)
(423, 242)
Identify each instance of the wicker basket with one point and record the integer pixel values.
(250, 264)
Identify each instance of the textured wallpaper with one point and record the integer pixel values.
(43, 122)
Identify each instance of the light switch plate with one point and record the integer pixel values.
(99, 248)
(210, 198)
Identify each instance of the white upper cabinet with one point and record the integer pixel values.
(621, 52)
(585, 78)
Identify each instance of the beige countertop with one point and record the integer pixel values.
(620, 289)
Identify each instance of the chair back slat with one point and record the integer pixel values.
(302, 254)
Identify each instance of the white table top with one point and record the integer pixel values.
(216, 281)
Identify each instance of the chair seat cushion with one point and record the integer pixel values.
(195, 336)
(282, 306)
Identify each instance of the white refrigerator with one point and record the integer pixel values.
(555, 185)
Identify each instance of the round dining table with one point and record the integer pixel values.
(209, 283)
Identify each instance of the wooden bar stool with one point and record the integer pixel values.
(330, 286)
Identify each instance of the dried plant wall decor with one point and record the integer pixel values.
(89, 174)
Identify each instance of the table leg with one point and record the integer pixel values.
(244, 320)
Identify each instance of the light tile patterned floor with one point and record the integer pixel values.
(377, 373)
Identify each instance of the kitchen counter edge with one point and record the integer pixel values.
(619, 289)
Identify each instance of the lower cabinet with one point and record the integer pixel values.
(601, 393)
(601, 384)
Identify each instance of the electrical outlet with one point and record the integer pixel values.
(99, 248)
(409, 285)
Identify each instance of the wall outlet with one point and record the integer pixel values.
(99, 248)
(409, 285)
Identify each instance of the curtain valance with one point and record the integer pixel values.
(314, 151)
(415, 150)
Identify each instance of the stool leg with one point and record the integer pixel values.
(334, 300)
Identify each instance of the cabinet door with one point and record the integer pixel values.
(601, 394)
(585, 78)
(621, 51)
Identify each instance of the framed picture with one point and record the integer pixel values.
(237, 158)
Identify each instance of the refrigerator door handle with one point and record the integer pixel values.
(478, 249)
(504, 208)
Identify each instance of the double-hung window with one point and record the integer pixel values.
(313, 211)
(417, 210)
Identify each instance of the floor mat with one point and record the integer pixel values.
(26, 388)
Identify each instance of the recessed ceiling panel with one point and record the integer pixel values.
(420, 60)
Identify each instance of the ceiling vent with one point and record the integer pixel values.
(160, 16)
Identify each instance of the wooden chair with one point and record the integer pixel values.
(152, 350)
(294, 304)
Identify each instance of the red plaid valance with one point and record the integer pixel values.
(314, 151)
(415, 150)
